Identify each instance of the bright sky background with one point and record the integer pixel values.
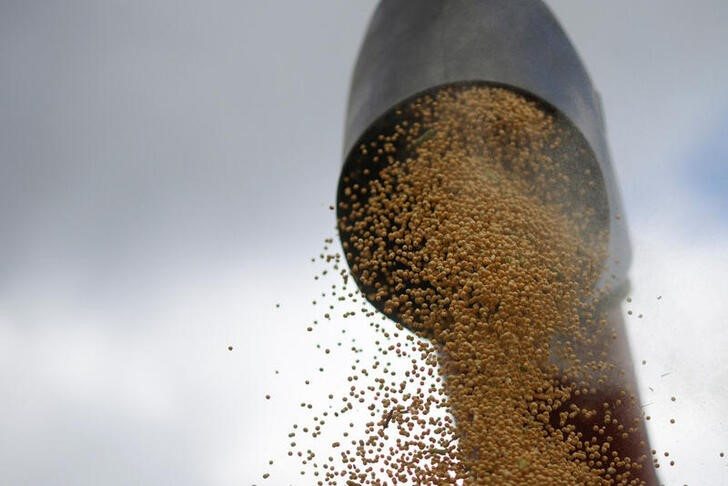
(165, 173)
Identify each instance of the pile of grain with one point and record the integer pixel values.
(475, 222)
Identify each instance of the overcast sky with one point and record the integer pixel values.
(165, 173)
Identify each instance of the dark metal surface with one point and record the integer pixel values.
(415, 45)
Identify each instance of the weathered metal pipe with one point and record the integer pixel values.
(419, 46)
